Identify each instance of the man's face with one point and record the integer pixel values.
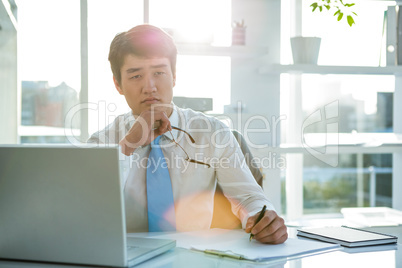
(146, 82)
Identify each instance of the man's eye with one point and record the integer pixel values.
(159, 73)
(135, 76)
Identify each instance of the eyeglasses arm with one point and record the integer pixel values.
(188, 134)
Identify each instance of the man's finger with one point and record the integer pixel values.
(250, 223)
(269, 216)
(165, 125)
(279, 236)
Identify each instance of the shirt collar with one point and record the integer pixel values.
(174, 121)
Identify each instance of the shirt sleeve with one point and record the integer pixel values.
(94, 139)
(111, 134)
(235, 178)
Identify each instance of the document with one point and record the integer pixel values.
(236, 244)
(347, 236)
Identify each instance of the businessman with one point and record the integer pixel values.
(176, 156)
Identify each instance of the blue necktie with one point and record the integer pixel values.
(161, 214)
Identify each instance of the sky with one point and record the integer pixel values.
(48, 42)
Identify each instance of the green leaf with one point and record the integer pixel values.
(320, 7)
(350, 20)
(340, 16)
(354, 13)
(314, 6)
(336, 13)
(327, 6)
(350, 5)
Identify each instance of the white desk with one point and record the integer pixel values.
(385, 257)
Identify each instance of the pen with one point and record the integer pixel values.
(258, 219)
(224, 254)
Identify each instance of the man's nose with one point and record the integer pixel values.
(149, 85)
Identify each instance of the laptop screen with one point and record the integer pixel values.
(61, 204)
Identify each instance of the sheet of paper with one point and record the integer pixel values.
(237, 243)
(211, 236)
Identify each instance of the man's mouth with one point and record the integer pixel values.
(150, 100)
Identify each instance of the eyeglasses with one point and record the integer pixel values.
(193, 141)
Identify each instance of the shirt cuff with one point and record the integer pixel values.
(253, 212)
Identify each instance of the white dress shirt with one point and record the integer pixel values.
(193, 184)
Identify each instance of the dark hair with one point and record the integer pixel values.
(144, 41)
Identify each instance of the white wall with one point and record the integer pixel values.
(397, 157)
(259, 93)
(9, 86)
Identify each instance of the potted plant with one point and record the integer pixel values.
(340, 9)
(305, 50)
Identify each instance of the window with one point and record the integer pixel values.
(105, 20)
(204, 77)
(49, 56)
(363, 116)
(49, 60)
(198, 76)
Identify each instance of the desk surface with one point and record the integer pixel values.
(387, 256)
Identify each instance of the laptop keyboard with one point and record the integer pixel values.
(131, 248)
(132, 252)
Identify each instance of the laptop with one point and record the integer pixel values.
(65, 204)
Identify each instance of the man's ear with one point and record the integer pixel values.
(117, 85)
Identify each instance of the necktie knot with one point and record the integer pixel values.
(156, 141)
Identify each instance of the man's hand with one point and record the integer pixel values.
(271, 229)
(148, 125)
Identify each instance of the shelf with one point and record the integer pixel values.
(230, 51)
(329, 149)
(338, 149)
(326, 69)
(363, 143)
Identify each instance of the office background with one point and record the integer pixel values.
(53, 57)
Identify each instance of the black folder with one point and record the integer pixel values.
(347, 236)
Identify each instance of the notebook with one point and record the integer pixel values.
(65, 204)
(347, 236)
